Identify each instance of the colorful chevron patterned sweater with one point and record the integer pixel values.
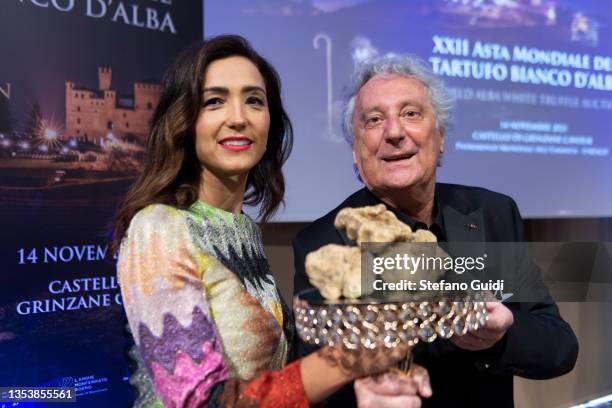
(204, 311)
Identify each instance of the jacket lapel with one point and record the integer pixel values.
(462, 227)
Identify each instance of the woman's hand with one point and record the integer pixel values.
(394, 389)
(326, 370)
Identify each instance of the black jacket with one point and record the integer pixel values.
(539, 344)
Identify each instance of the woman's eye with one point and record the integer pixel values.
(212, 102)
(255, 100)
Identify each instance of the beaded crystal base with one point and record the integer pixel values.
(372, 325)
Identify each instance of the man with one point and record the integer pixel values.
(396, 119)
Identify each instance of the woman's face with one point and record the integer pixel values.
(232, 127)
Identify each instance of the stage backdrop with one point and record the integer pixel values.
(79, 81)
(532, 80)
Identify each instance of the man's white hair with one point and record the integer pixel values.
(404, 65)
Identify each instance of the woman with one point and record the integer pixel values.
(203, 307)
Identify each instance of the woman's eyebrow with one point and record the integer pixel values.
(253, 88)
(224, 90)
(215, 89)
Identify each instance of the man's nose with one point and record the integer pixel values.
(236, 116)
(394, 132)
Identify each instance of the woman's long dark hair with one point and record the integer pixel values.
(171, 174)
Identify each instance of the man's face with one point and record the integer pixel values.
(397, 143)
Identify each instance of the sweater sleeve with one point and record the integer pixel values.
(160, 273)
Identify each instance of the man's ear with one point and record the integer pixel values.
(353, 151)
(442, 139)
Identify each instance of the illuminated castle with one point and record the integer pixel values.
(100, 115)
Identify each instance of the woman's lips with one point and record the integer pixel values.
(236, 143)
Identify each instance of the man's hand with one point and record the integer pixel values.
(393, 389)
(499, 321)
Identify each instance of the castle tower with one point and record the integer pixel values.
(104, 78)
(70, 129)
